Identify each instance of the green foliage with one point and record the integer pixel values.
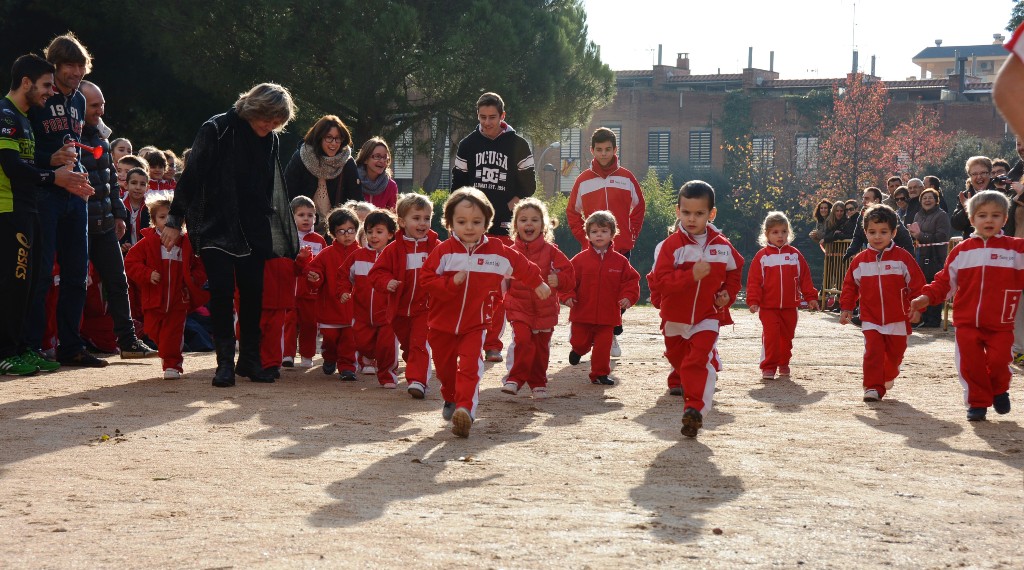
(437, 198)
(952, 170)
(1016, 15)
(814, 106)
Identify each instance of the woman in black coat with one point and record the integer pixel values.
(322, 168)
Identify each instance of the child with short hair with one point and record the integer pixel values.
(362, 209)
(987, 272)
(460, 275)
(120, 148)
(279, 275)
(171, 282)
(698, 274)
(397, 273)
(301, 323)
(372, 329)
(123, 165)
(533, 320)
(884, 277)
(157, 165)
(136, 186)
(335, 317)
(606, 284)
(170, 180)
(777, 282)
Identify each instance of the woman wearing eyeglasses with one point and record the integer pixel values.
(979, 177)
(322, 168)
(374, 167)
(901, 199)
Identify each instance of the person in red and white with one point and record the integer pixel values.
(301, 324)
(884, 277)
(985, 274)
(462, 276)
(279, 275)
(334, 317)
(606, 284)
(697, 273)
(777, 282)
(532, 319)
(371, 329)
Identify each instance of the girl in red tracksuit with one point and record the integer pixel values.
(171, 284)
(397, 274)
(533, 319)
(884, 277)
(461, 275)
(605, 285)
(372, 330)
(279, 275)
(335, 317)
(778, 280)
(300, 323)
(987, 271)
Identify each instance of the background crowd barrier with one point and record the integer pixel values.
(835, 270)
(948, 305)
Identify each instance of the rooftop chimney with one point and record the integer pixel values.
(872, 66)
(683, 61)
(997, 39)
(771, 61)
(938, 43)
(750, 57)
(659, 54)
(855, 61)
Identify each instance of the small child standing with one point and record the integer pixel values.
(136, 185)
(171, 283)
(697, 273)
(532, 319)
(372, 329)
(606, 284)
(335, 317)
(397, 274)
(300, 324)
(460, 275)
(778, 280)
(987, 272)
(279, 274)
(884, 277)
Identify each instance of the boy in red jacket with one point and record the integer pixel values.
(987, 271)
(606, 285)
(300, 323)
(461, 275)
(335, 317)
(279, 276)
(884, 277)
(171, 284)
(777, 282)
(372, 329)
(697, 273)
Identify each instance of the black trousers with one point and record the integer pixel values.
(19, 263)
(105, 255)
(225, 272)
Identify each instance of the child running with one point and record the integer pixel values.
(606, 284)
(300, 324)
(986, 273)
(884, 277)
(397, 274)
(533, 319)
(335, 317)
(460, 275)
(778, 280)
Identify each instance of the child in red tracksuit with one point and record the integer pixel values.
(279, 276)
(884, 277)
(778, 280)
(987, 271)
(300, 323)
(171, 285)
(372, 330)
(397, 274)
(697, 273)
(460, 275)
(532, 319)
(606, 284)
(335, 317)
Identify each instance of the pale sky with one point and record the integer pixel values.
(811, 38)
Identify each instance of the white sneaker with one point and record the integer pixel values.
(871, 395)
(510, 388)
(306, 363)
(389, 385)
(540, 392)
(369, 370)
(616, 351)
(171, 374)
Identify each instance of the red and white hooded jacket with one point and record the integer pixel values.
(181, 273)
(329, 308)
(985, 278)
(369, 306)
(602, 279)
(885, 282)
(521, 303)
(402, 260)
(614, 189)
(316, 243)
(460, 309)
(779, 278)
(684, 300)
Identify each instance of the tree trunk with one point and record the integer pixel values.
(437, 152)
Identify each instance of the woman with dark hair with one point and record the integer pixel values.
(901, 197)
(373, 165)
(931, 229)
(838, 226)
(322, 168)
(821, 212)
(902, 238)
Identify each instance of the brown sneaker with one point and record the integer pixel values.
(461, 422)
(692, 422)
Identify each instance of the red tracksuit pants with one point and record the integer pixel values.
(696, 361)
(380, 344)
(412, 338)
(528, 356)
(497, 325)
(584, 336)
(339, 347)
(459, 366)
(301, 324)
(272, 324)
(167, 330)
(983, 363)
(883, 354)
(778, 327)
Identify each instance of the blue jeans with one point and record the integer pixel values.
(63, 221)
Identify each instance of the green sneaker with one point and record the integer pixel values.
(15, 365)
(1018, 359)
(34, 358)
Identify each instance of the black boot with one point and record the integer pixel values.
(249, 366)
(225, 375)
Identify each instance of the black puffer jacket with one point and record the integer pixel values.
(103, 208)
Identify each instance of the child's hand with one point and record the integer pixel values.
(553, 280)
(920, 303)
(915, 317)
(304, 253)
(701, 270)
(459, 278)
(812, 304)
(345, 297)
(844, 317)
(393, 285)
(312, 277)
(754, 308)
(624, 304)
(721, 299)
(569, 302)
(542, 291)
(154, 277)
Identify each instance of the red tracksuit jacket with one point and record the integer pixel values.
(459, 309)
(684, 300)
(521, 303)
(402, 259)
(368, 305)
(614, 189)
(601, 280)
(885, 282)
(779, 278)
(329, 308)
(988, 276)
(279, 276)
(303, 288)
(181, 273)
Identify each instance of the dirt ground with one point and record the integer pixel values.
(314, 473)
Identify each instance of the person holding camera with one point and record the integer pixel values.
(979, 177)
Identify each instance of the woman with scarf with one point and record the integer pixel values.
(322, 168)
(373, 163)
